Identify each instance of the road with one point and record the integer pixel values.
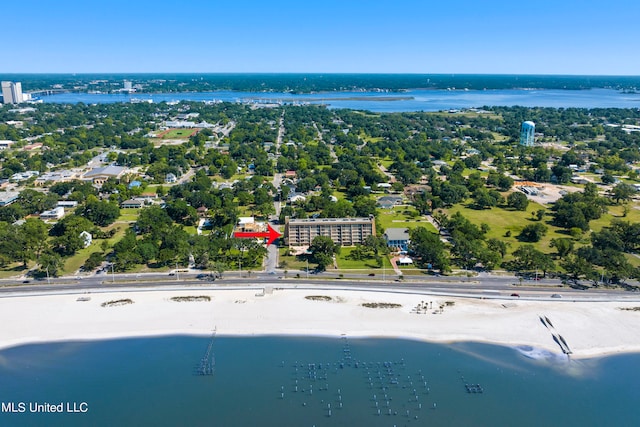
(479, 287)
(271, 261)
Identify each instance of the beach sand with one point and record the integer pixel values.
(588, 328)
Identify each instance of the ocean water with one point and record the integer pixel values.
(412, 100)
(302, 381)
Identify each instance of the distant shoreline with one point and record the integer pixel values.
(350, 98)
(309, 83)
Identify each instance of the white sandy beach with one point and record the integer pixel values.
(589, 328)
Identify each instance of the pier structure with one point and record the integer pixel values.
(207, 363)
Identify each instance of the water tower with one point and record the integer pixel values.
(527, 133)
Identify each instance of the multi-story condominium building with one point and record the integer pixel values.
(12, 93)
(344, 231)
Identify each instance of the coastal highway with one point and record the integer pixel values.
(490, 287)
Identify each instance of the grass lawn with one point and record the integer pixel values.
(502, 220)
(73, 263)
(339, 194)
(129, 215)
(400, 217)
(615, 212)
(633, 260)
(386, 162)
(191, 229)
(293, 264)
(367, 138)
(178, 134)
(14, 269)
(152, 188)
(367, 264)
(466, 172)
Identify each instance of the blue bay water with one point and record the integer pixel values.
(418, 99)
(296, 381)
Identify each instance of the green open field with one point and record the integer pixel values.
(466, 172)
(368, 138)
(292, 264)
(73, 263)
(348, 264)
(386, 162)
(616, 212)
(400, 217)
(14, 269)
(128, 215)
(502, 220)
(178, 134)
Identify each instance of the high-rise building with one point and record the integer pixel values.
(128, 86)
(527, 134)
(344, 231)
(12, 93)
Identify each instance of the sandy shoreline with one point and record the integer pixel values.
(589, 328)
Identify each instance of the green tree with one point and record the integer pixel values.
(578, 267)
(622, 192)
(364, 206)
(340, 209)
(100, 212)
(483, 198)
(153, 220)
(94, 260)
(51, 263)
(33, 234)
(219, 267)
(429, 249)
(607, 178)
(517, 201)
(528, 258)
(67, 240)
(532, 232)
(563, 246)
(498, 246)
(322, 251)
(562, 173)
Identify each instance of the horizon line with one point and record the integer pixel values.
(314, 73)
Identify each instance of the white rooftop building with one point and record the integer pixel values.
(12, 93)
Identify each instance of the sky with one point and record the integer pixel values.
(321, 36)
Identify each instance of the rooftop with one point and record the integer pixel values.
(397, 233)
(329, 220)
(105, 171)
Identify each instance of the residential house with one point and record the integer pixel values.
(54, 214)
(202, 211)
(8, 197)
(87, 238)
(397, 238)
(388, 202)
(6, 144)
(132, 204)
(68, 204)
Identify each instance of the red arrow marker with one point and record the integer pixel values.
(271, 234)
